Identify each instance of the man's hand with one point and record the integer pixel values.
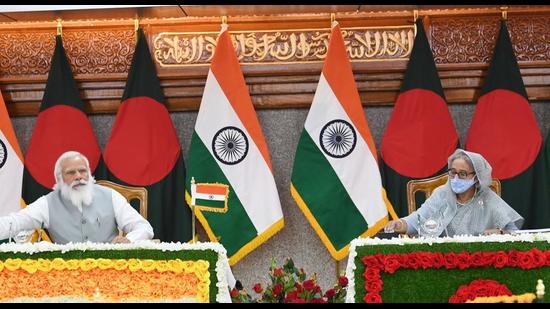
(494, 231)
(397, 226)
(120, 240)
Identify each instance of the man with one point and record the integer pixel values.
(78, 210)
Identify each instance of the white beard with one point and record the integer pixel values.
(78, 192)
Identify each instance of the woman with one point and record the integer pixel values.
(465, 205)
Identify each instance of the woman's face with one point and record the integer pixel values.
(461, 168)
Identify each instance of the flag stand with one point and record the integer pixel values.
(192, 214)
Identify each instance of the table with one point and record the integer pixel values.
(139, 272)
(433, 270)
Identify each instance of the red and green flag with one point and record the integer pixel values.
(505, 131)
(61, 125)
(420, 135)
(143, 149)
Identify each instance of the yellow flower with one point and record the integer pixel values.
(147, 265)
(176, 266)
(134, 265)
(12, 264)
(161, 266)
(120, 264)
(29, 266)
(88, 264)
(72, 264)
(58, 264)
(44, 265)
(104, 263)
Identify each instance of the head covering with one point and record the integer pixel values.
(481, 166)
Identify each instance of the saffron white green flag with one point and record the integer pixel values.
(228, 147)
(335, 179)
(11, 165)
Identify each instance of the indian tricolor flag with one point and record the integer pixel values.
(228, 147)
(335, 180)
(11, 165)
(209, 196)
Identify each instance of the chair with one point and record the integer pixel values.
(130, 193)
(428, 185)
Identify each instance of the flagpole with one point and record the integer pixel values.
(192, 212)
(337, 270)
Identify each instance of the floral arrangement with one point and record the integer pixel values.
(523, 298)
(111, 273)
(370, 259)
(479, 288)
(289, 284)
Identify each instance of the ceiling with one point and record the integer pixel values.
(15, 13)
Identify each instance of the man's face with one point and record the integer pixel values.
(74, 169)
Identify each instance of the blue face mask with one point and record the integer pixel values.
(461, 185)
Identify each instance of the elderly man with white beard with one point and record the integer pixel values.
(78, 209)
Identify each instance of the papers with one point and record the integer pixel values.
(546, 230)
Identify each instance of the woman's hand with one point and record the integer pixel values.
(494, 231)
(396, 226)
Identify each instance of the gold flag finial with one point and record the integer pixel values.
(504, 11)
(224, 20)
(415, 15)
(59, 27)
(332, 17)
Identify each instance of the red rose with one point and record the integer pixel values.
(412, 261)
(371, 274)
(539, 259)
(438, 259)
(330, 293)
(478, 260)
(372, 261)
(513, 258)
(298, 287)
(500, 259)
(343, 281)
(391, 263)
(277, 272)
(450, 260)
(525, 260)
(373, 286)
(547, 255)
(316, 289)
(318, 301)
(372, 298)
(463, 260)
(234, 293)
(298, 300)
(277, 289)
(489, 257)
(291, 296)
(258, 288)
(425, 259)
(309, 285)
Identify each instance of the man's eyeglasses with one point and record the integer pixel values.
(461, 174)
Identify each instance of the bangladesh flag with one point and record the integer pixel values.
(228, 149)
(335, 179)
(144, 150)
(61, 125)
(504, 130)
(420, 135)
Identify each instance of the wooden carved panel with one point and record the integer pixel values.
(472, 39)
(25, 53)
(89, 52)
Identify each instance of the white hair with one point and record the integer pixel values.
(79, 192)
(57, 169)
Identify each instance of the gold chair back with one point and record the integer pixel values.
(428, 185)
(130, 193)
